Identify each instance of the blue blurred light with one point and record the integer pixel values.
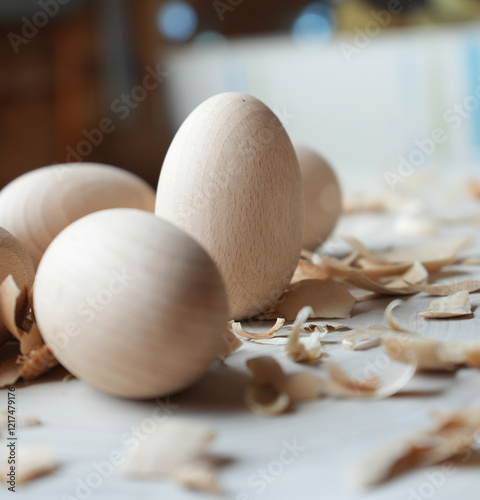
(177, 21)
(315, 23)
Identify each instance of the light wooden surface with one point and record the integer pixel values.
(231, 181)
(85, 426)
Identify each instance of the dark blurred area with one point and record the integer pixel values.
(82, 80)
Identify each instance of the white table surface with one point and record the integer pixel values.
(85, 426)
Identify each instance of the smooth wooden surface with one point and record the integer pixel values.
(85, 427)
(323, 197)
(130, 303)
(231, 180)
(36, 206)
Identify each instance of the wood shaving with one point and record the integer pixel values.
(273, 391)
(430, 354)
(33, 461)
(472, 357)
(36, 363)
(417, 274)
(231, 344)
(175, 450)
(390, 318)
(362, 251)
(432, 255)
(448, 288)
(450, 435)
(237, 328)
(35, 357)
(308, 270)
(340, 268)
(308, 350)
(451, 306)
(359, 280)
(344, 385)
(364, 338)
(327, 298)
(9, 293)
(198, 475)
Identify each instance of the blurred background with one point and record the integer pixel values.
(365, 82)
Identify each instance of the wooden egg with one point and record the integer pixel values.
(231, 180)
(323, 199)
(36, 206)
(130, 304)
(15, 260)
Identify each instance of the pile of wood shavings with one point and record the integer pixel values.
(326, 288)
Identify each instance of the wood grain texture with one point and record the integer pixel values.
(15, 260)
(39, 204)
(323, 199)
(130, 304)
(231, 180)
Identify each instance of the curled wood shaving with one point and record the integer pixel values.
(451, 306)
(310, 349)
(266, 400)
(340, 268)
(198, 475)
(37, 362)
(346, 386)
(237, 328)
(359, 280)
(448, 288)
(9, 293)
(390, 319)
(176, 450)
(231, 344)
(327, 298)
(450, 435)
(35, 357)
(431, 354)
(364, 338)
(361, 251)
(273, 391)
(33, 461)
(338, 375)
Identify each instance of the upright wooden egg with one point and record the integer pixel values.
(130, 304)
(323, 199)
(231, 180)
(15, 260)
(36, 206)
